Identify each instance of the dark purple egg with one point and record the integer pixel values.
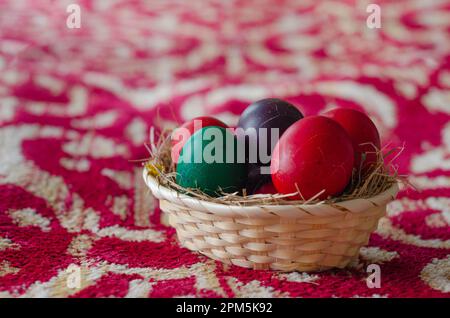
(266, 113)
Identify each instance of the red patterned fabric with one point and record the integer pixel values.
(76, 106)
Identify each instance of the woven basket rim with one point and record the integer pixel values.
(269, 210)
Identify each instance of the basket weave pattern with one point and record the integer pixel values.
(310, 237)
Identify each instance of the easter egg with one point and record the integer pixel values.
(363, 134)
(266, 113)
(267, 188)
(315, 154)
(181, 134)
(256, 179)
(208, 162)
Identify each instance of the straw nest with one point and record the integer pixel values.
(383, 176)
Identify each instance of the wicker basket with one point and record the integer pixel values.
(311, 237)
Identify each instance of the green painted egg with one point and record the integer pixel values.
(208, 161)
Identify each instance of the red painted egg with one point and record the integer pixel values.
(267, 188)
(181, 135)
(314, 154)
(362, 132)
